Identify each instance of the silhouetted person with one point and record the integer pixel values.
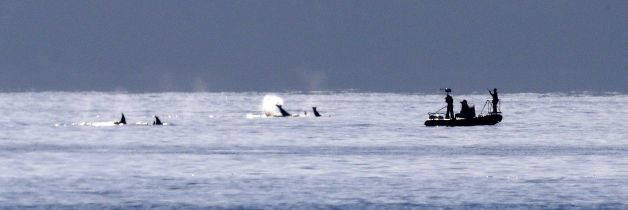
(450, 106)
(495, 99)
(464, 109)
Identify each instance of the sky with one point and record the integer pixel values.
(313, 45)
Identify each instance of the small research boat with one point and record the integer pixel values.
(490, 118)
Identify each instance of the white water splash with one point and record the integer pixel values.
(269, 105)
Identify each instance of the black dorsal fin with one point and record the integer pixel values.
(283, 112)
(316, 112)
(157, 121)
(122, 120)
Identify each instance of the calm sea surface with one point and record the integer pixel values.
(371, 150)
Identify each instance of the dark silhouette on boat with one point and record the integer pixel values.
(495, 98)
(450, 104)
(467, 116)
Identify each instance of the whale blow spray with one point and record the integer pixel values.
(269, 105)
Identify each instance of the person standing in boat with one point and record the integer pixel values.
(495, 99)
(450, 105)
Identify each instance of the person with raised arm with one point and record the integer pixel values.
(495, 99)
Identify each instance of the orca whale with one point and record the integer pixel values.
(316, 112)
(122, 120)
(157, 121)
(283, 112)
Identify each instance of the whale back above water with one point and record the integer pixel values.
(316, 112)
(284, 113)
(122, 120)
(157, 121)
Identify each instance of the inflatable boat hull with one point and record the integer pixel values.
(483, 120)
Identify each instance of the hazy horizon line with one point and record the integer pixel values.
(501, 91)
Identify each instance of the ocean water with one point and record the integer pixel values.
(369, 151)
